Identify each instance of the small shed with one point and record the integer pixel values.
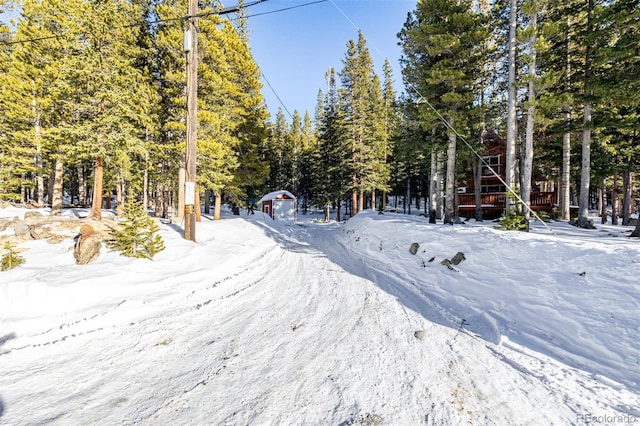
(279, 205)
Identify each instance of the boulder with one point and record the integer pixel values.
(4, 224)
(447, 263)
(87, 245)
(39, 232)
(20, 228)
(35, 218)
(414, 248)
(459, 257)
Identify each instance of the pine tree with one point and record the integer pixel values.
(137, 236)
(443, 57)
(357, 77)
(10, 258)
(330, 171)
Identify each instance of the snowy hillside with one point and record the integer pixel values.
(327, 324)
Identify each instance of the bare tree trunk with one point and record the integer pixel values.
(451, 177)
(439, 194)
(217, 204)
(56, 201)
(477, 184)
(119, 194)
(585, 176)
(145, 182)
(615, 202)
(602, 199)
(361, 201)
(626, 198)
(327, 213)
(373, 199)
(407, 201)
(510, 162)
(98, 174)
(50, 182)
(354, 198)
(565, 195)
(82, 186)
(207, 201)
(433, 187)
(528, 147)
(38, 157)
(159, 208)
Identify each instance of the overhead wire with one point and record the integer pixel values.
(423, 99)
(224, 11)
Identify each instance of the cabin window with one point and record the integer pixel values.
(493, 161)
(486, 189)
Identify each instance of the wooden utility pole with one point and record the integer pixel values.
(191, 47)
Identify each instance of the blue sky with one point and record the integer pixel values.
(295, 48)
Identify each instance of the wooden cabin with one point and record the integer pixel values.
(493, 192)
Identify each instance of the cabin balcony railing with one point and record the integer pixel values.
(497, 200)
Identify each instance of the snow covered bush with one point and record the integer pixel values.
(137, 236)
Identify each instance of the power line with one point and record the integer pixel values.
(286, 8)
(454, 130)
(225, 11)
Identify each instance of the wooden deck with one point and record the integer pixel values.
(493, 204)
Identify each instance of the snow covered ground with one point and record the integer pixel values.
(328, 324)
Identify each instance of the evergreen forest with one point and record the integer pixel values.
(93, 95)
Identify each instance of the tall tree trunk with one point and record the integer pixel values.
(373, 199)
(439, 195)
(82, 186)
(56, 201)
(159, 207)
(565, 183)
(602, 199)
(98, 174)
(477, 185)
(38, 158)
(510, 161)
(451, 177)
(120, 194)
(50, 182)
(636, 231)
(327, 213)
(145, 181)
(361, 201)
(626, 198)
(207, 201)
(407, 201)
(585, 173)
(354, 197)
(615, 200)
(217, 204)
(528, 146)
(565, 195)
(433, 187)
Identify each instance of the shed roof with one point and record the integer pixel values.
(277, 195)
